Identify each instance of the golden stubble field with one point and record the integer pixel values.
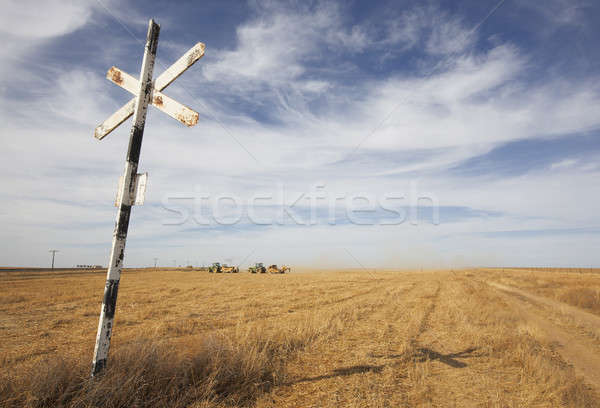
(470, 338)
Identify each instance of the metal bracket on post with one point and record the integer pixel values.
(139, 190)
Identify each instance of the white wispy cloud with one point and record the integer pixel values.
(32, 19)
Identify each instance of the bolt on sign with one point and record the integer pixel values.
(132, 185)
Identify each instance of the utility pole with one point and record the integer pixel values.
(54, 251)
(155, 261)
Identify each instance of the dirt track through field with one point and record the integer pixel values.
(577, 350)
(578, 314)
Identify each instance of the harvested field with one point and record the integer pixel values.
(477, 338)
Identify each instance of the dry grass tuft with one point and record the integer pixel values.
(585, 298)
(153, 373)
(212, 370)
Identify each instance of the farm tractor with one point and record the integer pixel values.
(257, 268)
(275, 269)
(218, 268)
(215, 268)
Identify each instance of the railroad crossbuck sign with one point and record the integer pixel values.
(132, 185)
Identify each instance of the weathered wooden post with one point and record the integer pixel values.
(127, 191)
(132, 185)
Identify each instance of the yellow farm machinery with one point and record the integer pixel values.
(218, 268)
(275, 269)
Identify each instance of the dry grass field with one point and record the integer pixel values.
(347, 338)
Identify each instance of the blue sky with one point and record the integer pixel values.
(481, 116)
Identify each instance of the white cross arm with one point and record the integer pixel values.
(180, 66)
(114, 120)
(169, 75)
(161, 101)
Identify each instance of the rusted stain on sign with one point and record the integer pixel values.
(188, 119)
(114, 75)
